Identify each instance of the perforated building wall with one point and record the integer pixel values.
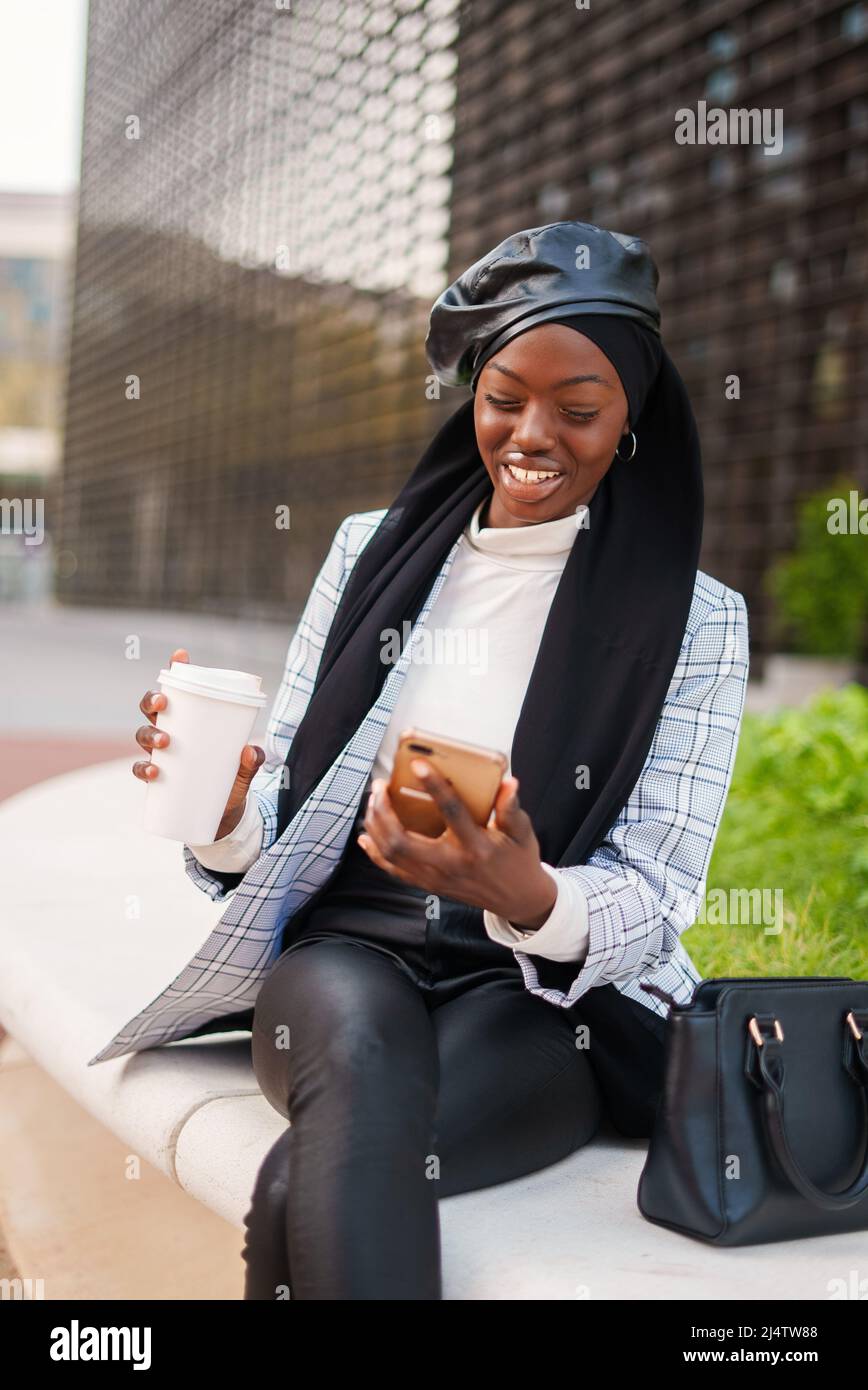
(272, 196)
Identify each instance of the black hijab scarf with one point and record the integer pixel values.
(614, 629)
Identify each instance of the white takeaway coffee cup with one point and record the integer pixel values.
(209, 717)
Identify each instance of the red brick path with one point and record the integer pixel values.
(30, 759)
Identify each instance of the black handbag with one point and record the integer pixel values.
(761, 1131)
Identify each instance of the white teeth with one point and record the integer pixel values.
(529, 475)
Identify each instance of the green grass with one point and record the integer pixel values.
(796, 819)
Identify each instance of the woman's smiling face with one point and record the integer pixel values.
(550, 401)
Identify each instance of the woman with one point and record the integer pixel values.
(448, 1014)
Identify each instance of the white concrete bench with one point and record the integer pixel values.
(74, 966)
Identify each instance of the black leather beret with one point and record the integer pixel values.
(533, 276)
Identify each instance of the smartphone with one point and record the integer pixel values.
(475, 773)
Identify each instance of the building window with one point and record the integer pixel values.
(784, 281)
(553, 201)
(721, 85)
(603, 178)
(857, 113)
(784, 179)
(854, 22)
(829, 382)
(723, 44)
(722, 171)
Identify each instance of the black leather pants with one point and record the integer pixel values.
(413, 1064)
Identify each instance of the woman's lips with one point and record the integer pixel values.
(528, 491)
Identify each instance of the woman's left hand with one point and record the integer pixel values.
(497, 867)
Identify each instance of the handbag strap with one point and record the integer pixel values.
(771, 1070)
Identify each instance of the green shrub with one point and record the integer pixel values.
(796, 819)
(821, 589)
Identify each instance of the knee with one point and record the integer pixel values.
(362, 1055)
(308, 1006)
(334, 1022)
(335, 1058)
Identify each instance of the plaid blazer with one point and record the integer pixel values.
(644, 885)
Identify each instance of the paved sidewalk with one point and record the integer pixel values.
(8, 1267)
(105, 1230)
(68, 672)
(69, 695)
(31, 759)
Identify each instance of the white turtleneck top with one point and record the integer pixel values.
(469, 681)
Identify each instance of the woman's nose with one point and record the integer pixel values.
(533, 434)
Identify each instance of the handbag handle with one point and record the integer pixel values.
(770, 1055)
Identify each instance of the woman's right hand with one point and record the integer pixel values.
(149, 737)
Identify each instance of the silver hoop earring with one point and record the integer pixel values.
(629, 456)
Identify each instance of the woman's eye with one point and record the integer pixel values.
(583, 415)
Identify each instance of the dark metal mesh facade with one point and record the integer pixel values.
(264, 255)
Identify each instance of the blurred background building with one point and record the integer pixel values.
(272, 195)
(37, 240)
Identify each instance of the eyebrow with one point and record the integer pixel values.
(567, 380)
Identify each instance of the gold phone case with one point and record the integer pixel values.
(475, 773)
